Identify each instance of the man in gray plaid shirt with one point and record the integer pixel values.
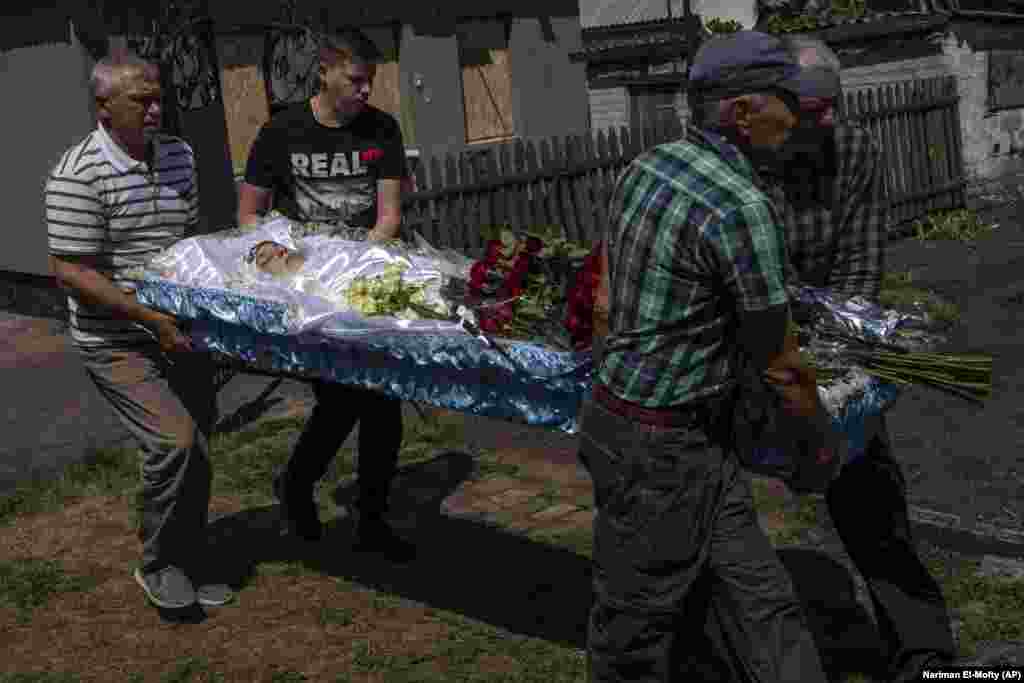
(827, 186)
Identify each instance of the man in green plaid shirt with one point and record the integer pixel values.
(829, 191)
(697, 270)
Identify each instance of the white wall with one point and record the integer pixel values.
(609, 108)
(47, 109)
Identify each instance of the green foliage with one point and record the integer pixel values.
(720, 26)
(900, 292)
(849, 9)
(798, 23)
(961, 225)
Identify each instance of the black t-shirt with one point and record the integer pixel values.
(326, 175)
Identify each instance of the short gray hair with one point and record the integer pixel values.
(109, 74)
(813, 52)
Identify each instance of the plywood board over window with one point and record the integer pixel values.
(1006, 79)
(486, 81)
(386, 93)
(245, 97)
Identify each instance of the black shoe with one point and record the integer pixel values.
(374, 535)
(299, 511)
(918, 662)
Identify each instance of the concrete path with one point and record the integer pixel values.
(53, 415)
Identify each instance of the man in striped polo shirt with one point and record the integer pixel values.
(112, 201)
(696, 282)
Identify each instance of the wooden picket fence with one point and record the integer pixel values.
(567, 181)
(564, 181)
(917, 127)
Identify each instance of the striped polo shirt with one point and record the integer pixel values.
(102, 203)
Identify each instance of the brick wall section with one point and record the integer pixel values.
(993, 142)
(609, 108)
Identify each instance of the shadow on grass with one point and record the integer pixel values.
(504, 579)
(251, 411)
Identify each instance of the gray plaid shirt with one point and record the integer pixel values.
(839, 242)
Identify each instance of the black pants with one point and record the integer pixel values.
(868, 504)
(676, 514)
(338, 408)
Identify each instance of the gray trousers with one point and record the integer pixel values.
(169, 405)
(675, 515)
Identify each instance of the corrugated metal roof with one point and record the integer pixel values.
(594, 13)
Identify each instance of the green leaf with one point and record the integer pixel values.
(508, 238)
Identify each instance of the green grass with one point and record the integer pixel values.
(102, 472)
(43, 677)
(960, 225)
(193, 670)
(26, 584)
(993, 609)
(900, 292)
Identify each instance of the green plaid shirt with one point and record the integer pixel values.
(691, 240)
(837, 238)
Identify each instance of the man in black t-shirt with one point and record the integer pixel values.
(335, 159)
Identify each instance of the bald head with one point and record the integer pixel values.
(813, 52)
(112, 72)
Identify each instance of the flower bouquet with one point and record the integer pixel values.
(536, 286)
(845, 338)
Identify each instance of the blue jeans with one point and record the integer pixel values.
(674, 511)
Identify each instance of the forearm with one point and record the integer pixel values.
(249, 217)
(92, 287)
(387, 227)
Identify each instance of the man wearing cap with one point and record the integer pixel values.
(696, 280)
(827, 184)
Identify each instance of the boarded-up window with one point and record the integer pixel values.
(1006, 79)
(486, 81)
(245, 96)
(386, 93)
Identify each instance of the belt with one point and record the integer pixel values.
(672, 418)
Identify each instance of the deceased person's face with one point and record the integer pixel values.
(276, 259)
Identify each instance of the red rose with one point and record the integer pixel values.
(368, 156)
(582, 300)
(522, 264)
(594, 281)
(590, 263)
(490, 325)
(505, 312)
(494, 249)
(479, 270)
(533, 245)
(573, 324)
(515, 278)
